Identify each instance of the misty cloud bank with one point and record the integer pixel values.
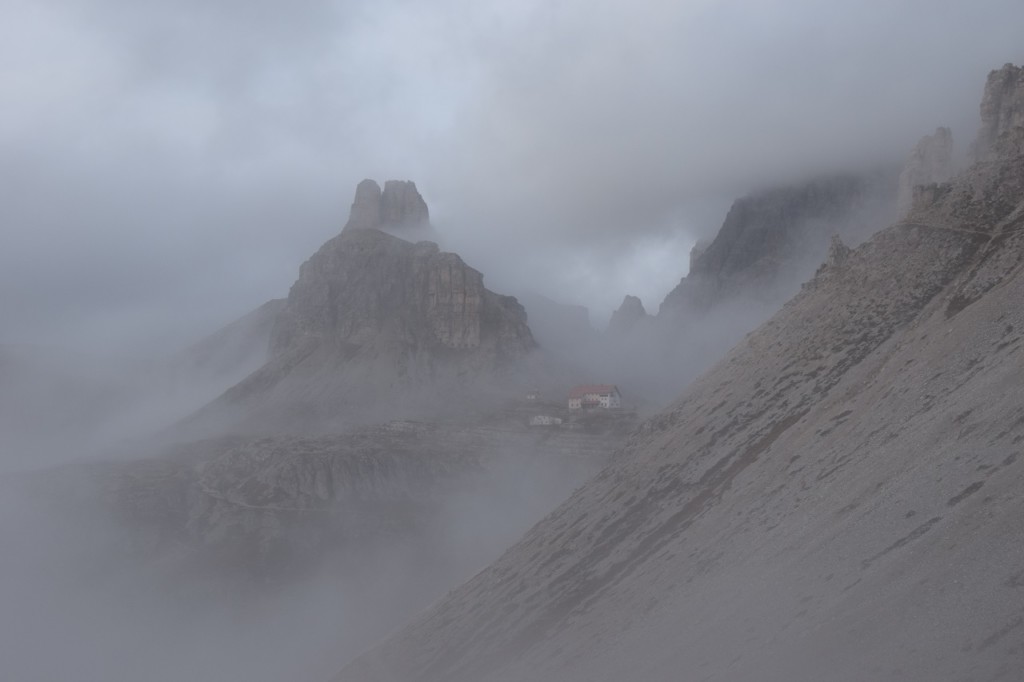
(154, 154)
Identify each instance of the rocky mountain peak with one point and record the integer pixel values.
(374, 319)
(627, 316)
(398, 205)
(929, 162)
(401, 204)
(1002, 111)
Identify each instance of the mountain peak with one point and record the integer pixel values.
(399, 204)
(629, 314)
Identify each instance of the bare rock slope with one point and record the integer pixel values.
(838, 499)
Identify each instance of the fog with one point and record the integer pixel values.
(165, 168)
(90, 592)
(155, 152)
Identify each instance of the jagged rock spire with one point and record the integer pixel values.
(1002, 110)
(398, 205)
(627, 316)
(365, 212)
(838, 252)
(930, 161)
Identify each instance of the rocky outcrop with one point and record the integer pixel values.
(930, 162)
(848, 477)
(1002, 111)
(772, 241)
(377, 325)
(628, 316)
(838, 252)
(398, 205)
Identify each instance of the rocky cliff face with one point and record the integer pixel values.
(931, 161)
(820, 505)
(1002, 111)
(773, 240)
(377, 327)
(365, 284)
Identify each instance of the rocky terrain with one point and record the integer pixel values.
(276, 506)
(837, 499)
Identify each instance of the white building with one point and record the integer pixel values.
(605, 396)
(545, 420)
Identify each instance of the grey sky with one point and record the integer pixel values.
(165, 166)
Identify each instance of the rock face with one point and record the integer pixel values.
(771, 241)
(818, 506)
(398, 205)
(930, 162)
(376, 323)
(1002, 110)
(629, 314)
(364, 284)
(401, 204)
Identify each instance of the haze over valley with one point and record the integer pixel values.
(490, 342)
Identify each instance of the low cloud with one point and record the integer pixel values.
(167, 166)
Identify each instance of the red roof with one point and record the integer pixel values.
(599, 389)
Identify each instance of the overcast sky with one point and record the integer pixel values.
(165, 166)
